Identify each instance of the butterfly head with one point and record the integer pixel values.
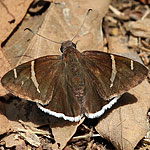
(67, 45)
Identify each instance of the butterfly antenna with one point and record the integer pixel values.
(82, 24)
(41, 36)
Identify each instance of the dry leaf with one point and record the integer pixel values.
(4, 65)
(119, 44)
(64, 133)
(31, 138)
(139, 28)
(13, 140)
(4, 124)
(11, 14)
(27, 128)
(126, 125)
(133, 41)
(18, 43)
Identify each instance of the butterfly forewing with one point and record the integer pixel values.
(101, 67)
(34, 80)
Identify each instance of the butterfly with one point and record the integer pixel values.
(75, 84)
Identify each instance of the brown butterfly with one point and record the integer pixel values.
(75, 84)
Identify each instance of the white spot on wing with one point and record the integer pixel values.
(114, 71)
(104, 108)
(132, 67)
(33, 77)
(60, 115)
(15, 73)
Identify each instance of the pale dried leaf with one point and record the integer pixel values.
(119, 44)
(13, 140)
(139, 28)
(126, 124)
(31, 138)
(133, 41)
(63, 134)
(30, 128)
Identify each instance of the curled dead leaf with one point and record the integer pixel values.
(126, 124)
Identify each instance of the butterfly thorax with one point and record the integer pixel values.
(74, 73)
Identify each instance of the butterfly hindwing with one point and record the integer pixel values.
(63, 101)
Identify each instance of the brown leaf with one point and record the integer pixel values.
(28, 132)
(126, 124)
(11, 14)
(14, 48)
(64, 133)
(4, 65)
(4, 122)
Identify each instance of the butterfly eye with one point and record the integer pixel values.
(74, 45)
(62, 49)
